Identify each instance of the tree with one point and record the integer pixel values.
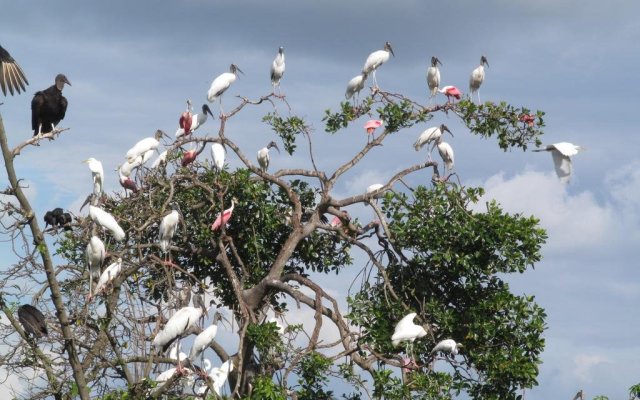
(430, 250)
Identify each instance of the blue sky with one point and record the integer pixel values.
(133, 64)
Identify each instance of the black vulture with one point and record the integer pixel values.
(48, 107)
(32, 320)
(57, 218)
(11, 75)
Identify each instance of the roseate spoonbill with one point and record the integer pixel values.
(528, 119)
(32, 320)
(48, 107)
(447, 346)
(451, 91)
(355, 85)
(11, 75)
(224, 216)
(106, 220)
(217, 153)
(145, 147)
(108, 275)
(191, 122)
(376, 59)
(277, 69)
(433, 76)
(222, 83)
(94, 255)
(370, 126)
(562, 153)
(430, 135)
(126, 182)
(446, 152)
(190, 156)
(97, 173)
(263, 155)
(167, 229)
(477, 77)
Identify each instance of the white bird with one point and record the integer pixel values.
(197, 120)
(108, 275)
(277, 69)
(355, 85)
(218, 154)
(144, 148)
(94, 255)
(106, 220)
(407, 331)
(263, 155)
(161, 160)
(278, 324)
(97, 173)
(433, 76)
(176, 352)
(477, 77)
(167, 228)
(447, 346)
(222, 83)
(168, 374)
(446, 152)
(220, 375)
(374, 188)
(562, 153)
(376, 59)
(429, 135)
(181, 322)
(204, 339)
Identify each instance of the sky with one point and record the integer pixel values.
(132, 65)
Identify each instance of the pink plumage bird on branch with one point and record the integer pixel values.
(223, 217)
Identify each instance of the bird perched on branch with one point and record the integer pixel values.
(32, 321)
(218, 155)
(477, 77)
(222, 83)
(263, 155)
(451, 91)
(429, 135)
(190, 122)
(433, 76)
(11, 75)
(223, 217)
(447, 346)
(49, 107)
(277, 69)
(355, 85)
(376, 59)
(57, 218)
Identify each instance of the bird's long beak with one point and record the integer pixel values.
(239, 70)
(85, 161)
(444, 127)
(208, 110)
(66, 81)
(276, 147)
(391, 51)
(438, 61)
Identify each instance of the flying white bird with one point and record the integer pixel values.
(195, 121)
(110, 273)
(433, 76)
(94, 255)
(97, 173)
(106, 220)
(144, 148)
(263, 155)
(562, 153)
(407, 331)
(429, 135)
(277, 69)
(355, 85)
(447, 346)
(446, 152)
(218, 154)
(376, 59)
(222, 83)
(477, 77)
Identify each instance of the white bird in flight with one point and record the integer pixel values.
(562, 153)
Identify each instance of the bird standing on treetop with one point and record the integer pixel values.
(562, 153)
(222, 83)
(32, 320)
(224, 216)
(263, 155)
(48, 107)
(355, 85)
(451, 91)
(144, 148)
(376, 59)
(97, 173)
(190, 122)
(477, 77)
(277, 69)
(11, 75)
(446, 152)
(430, 135)
(217, 153)
(433, 76)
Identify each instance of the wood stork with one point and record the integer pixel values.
(108, 275)
(477, 77)
(97, 173)
(167, 229)
(376, 59)
(447, 346)
(94, 256)
(49, 106)
(145, 148)
(223, 217)
(373, 190)
(446, 152)
(219, 375)
(161, 160)
(168, 374)
(451, 91)
(355, 85)
(277, 69)
(106, 220)
(407, 331)
(190, 122)
(430, 135)
(32, 321)
(221, 84)
(218, 154)
(176, 352)
(11, 75)
(204, 339)
(370, 126)
(433, 76)
(263, 155)
(562, 153)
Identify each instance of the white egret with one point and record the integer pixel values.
(106, 220)
(218, 154)
(407, 331)
(355, 85)
(221, 84)
(477, 77)
(433, 76)
(97, 173)
(204, 339)
(161, 160)
(277, 69)
(167, 229)
(145, 147)
(446, 152)
(447, 346)
(430, 135)
(376, 59)
(562, 153)
(263, 155)
(195, 121)
(108, 275)
(94, 256)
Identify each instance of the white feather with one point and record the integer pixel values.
(106, 220)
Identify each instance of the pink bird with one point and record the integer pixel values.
(189, 156)
(185, 122)
(128, 183)
(223, 217)
(528, 119)
(451, 91)
(371, 126)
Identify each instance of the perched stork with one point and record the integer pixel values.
(277, 69)
(376, 59)
(94, 255)
(218, 154)
(167, 229)
(222, 83)
(106, 220)
(144, 148)
(11, 75)
(446, 152)
(263, 155)
(110, 273)
(48, 107)
(447, 346)
(429, 135)
(477, 77)
(433, 76)
(204, 339)
(355, 85)
(32, 321)
(562, 153)
(190, 122)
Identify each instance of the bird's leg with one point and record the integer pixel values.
(375, 82)
(222, 116)
(479, 102)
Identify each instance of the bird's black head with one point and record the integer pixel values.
(281, 50)
(234, 69)
(387, 47)
(443, 128)
(207, 110)
(483, 61)
(435, 61)
(273, 144)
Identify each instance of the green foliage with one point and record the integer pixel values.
(286, 129)
(339, 120)
(265, 389)
(312, 372)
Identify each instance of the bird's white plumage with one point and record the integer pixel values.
(218, 154)
(406, 330)
(429, 135)
(561, 153)
(373, 188)
(106, 220)
(162, 159)
(433, 79)
(375, 59)
(477, 77)
(97, 173)
(447, 346)
(197, 120)
(277, 68)
(220, 85)
(167, 229)
(355, 85)
(166, 375)
(446, 152)
(108, 275)
(220, 375)
(176, 352)
(183, 320)
(263, 158)
(202, 341)
(142, 148)
(94, 255)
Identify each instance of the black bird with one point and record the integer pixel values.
(48, 107)
(32, 320)
(11, 75)
(57, 218)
